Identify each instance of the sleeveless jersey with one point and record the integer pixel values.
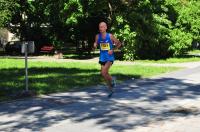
(105, 45)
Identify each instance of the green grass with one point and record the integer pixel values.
(51, 77)
(182, 59)
(189, 57)
(194, 52)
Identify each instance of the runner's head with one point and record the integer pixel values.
(102, 27)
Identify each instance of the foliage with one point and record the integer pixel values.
(186, 28)
(7, 9)
(181, 42)
(149, 28)
(124, 33)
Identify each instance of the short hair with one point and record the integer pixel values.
(103, 23)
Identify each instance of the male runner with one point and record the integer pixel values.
(107, 43)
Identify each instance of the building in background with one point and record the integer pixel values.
(7, 36)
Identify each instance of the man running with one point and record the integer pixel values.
(107, 43)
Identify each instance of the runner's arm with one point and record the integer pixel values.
(95, 42)
(116, 42)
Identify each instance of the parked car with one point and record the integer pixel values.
(47, 48)
(13, 48)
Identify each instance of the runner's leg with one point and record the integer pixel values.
(105, 73)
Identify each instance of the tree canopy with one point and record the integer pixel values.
(149, 29)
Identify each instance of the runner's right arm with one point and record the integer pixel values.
(95, 42)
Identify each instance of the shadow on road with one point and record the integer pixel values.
(135, 103)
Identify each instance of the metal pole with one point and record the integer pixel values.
(26, 65)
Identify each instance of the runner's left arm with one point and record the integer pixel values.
(116, 42)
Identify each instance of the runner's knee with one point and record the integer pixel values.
(104, 73)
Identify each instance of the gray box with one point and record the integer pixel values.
(30, 47)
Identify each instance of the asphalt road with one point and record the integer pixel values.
(167, 103)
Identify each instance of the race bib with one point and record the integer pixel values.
(105, 46)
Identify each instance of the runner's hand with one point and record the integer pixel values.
(93, 49)
(110, 52)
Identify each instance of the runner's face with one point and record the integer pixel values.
(102, 27)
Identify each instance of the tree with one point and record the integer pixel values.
(159, 29)
(7, 9)
(186, 28)
(149, 29)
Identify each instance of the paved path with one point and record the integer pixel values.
(166, 103)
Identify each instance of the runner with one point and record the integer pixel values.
(107, 43)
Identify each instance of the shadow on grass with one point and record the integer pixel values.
(50, 80)
(136, 103)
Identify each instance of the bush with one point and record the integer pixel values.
(161, 29)
(181, 42)
(128, 42)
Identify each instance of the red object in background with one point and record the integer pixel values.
(47, 49)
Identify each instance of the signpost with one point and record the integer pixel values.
(27, 47)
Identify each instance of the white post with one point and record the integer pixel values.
(26, 65)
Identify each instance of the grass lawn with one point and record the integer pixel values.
(194, 52)
(51, 77)
(189, 57)
(182, 59)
